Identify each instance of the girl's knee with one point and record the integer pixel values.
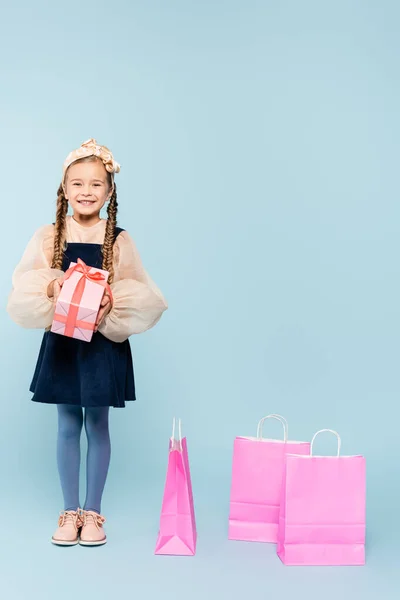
(70, 421)
(96, 421)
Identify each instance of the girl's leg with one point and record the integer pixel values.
(70, 419)
(98, 457)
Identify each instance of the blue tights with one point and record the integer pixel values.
(70, 422)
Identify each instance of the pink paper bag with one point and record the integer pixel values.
(257, 472)
(177, 533)
(79, 301)
(322, 518)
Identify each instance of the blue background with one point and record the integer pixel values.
(259, 144)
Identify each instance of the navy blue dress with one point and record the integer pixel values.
(70, 371)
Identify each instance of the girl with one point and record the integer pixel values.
(74, 374)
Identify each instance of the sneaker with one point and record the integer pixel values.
(67, 533)
(92, 533)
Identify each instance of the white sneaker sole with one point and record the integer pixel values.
(64, 542)
(98, 543)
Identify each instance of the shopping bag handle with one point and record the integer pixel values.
(330, 431)
(278, 418)
(179, 431)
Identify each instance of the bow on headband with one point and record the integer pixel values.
(92, 148)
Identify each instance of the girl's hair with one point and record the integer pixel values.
(109, 237)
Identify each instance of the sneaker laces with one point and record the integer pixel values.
(92, 518)
(68, 516)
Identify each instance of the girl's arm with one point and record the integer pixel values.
(138, 303)
(28, 304)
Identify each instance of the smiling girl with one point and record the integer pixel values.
(85, 379)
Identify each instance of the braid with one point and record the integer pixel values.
(59, 236)
(109, 236)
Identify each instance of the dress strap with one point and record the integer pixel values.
(118, 230)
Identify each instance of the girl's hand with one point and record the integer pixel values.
(105, 307)
(54, 289)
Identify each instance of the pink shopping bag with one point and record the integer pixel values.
(322, 518)
(257, 471)
(177, 533)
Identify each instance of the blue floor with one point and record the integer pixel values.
(126, 566)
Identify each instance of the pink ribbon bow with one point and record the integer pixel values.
(71, 320)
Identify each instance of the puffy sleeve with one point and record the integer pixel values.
(138, 304)
(28, 304)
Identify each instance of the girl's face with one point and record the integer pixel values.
(87, 189)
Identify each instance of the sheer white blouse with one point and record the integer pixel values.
(138, 303)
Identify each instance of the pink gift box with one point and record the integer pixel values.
(79, 301)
